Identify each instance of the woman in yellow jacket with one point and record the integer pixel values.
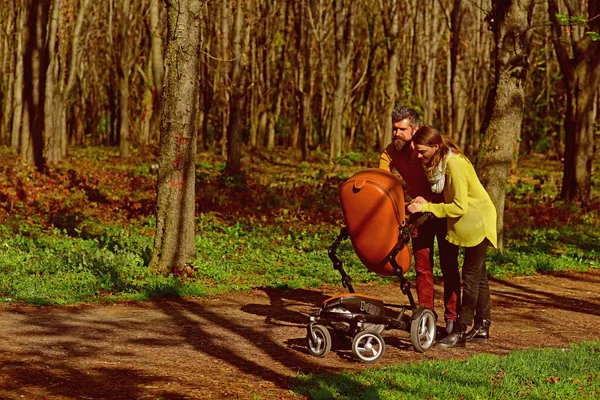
(471, 219)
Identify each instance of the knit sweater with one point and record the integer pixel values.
(471, 215)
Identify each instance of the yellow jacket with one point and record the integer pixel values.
(470, 213)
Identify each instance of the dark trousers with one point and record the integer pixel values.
(476, 291)
(423, 249)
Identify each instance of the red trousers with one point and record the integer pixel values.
(423, 251)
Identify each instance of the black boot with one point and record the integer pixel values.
(454, 339)
(480, 331)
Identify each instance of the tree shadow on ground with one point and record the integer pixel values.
(530, 297)
(57, 363)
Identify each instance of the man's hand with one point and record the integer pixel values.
(416, 205)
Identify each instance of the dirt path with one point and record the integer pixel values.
(247, 345)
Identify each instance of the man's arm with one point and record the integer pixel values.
(385, 161)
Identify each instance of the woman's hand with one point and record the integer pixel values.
(416, 205)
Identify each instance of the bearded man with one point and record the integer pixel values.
(401, 156)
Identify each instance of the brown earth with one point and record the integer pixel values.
(248, 345)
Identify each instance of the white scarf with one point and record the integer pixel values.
(437, 176)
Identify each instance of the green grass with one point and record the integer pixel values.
(44, 266)
(51, 267)
(569, 373)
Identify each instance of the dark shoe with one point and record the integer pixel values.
(480, 331)
(454, 339)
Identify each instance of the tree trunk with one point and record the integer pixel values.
(124, 113)
(276, 86)
(10, 19)
(234, 140)
(156, 51)
(32, 145)
(579, 60)
(435, 28)
(454, 86)
(225, 85)
(18, 85)
(344, 48)
(303, 75)
(52, 128)
(125, 62)
(391, 12)
(511, 29)
(174, 240)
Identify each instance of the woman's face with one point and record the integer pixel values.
(425, 153)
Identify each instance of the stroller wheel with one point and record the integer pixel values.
(368, 347)
(319, 343)
(422, 329)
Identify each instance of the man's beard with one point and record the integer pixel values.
(399, 143)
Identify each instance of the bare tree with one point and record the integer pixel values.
(434, 29)
(60, 78)
(174, 244)
(391, 25)
(234, 140)
(11, 26)
(344, 49)
(302, 73)
(511, 26)
(156, 51)
(579, 59)
(32, 138)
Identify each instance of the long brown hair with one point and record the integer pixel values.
(429, 136)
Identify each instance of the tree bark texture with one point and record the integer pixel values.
(53, 101)
(32, 144)
(302, 75)
(391, 23)
(234, 140)
(125, 64)
(579, 59)
(156, 50)
(511, 29)
(174, 240)
(344, 48)
(17, 97)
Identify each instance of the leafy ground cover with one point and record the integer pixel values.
(82, 231)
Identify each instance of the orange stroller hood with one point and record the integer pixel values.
(373, 208)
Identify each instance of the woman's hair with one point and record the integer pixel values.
(429, 136)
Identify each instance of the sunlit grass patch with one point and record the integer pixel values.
(568, 373)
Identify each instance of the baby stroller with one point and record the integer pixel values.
(373, 208)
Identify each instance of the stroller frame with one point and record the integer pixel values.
(362, 318)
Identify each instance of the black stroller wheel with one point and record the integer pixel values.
(422, 329)
(368, 347)
(319, 344)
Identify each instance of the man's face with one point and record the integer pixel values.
(402, 133)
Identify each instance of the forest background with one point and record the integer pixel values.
(307, 86)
